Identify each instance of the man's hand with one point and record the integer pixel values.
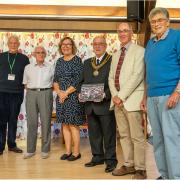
(143, 104)
(117, 101)
(173, 100)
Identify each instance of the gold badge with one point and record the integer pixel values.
(96, 73)
(97, 67)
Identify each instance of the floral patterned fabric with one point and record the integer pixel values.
(50, 40)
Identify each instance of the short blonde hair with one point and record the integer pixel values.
(13, 37)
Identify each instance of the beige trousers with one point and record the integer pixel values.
(132, 138)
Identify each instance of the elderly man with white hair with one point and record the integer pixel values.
(12, 64)
(162, 60)
(38, 78)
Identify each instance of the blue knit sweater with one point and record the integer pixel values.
(162, 59)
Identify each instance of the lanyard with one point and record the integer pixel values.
(11, 65)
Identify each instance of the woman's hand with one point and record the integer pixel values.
(62, 96)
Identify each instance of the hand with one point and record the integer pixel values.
(143, 104)
(62, 96)
(173, 100)
(80, 98)
(104, 95)
(117, 101)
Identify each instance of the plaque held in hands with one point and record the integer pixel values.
(92, 92)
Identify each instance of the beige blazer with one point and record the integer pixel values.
(131, 78)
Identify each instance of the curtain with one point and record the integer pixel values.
(50, 40)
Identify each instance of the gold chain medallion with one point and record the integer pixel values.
(97, 67)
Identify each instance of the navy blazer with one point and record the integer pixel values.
(100, 108)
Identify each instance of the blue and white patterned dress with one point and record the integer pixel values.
(68, 73)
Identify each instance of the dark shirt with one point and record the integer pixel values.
(12, 86)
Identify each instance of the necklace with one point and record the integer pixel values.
(97, 67)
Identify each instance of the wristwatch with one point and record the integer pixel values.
(177, 90)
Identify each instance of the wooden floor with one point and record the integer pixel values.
(13, 166)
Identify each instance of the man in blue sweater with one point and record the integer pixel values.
(162, 59)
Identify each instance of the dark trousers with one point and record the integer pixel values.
(102, 136)
(10, 104)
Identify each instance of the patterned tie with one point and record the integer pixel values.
(97, 61)
(118, 69)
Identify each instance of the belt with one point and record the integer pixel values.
(39, 89)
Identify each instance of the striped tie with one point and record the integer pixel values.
(118, 69)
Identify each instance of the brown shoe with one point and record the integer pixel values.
(123, 170)
(140, 174)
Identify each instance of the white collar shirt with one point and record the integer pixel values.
(162, 37)
(127, 46)
(36, 76)
(100, 58)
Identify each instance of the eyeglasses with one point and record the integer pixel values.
(66, 45)
(123, 31)
(159, 21)
(40, 52)
(99, 44)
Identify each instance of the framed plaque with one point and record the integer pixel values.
(92, 92)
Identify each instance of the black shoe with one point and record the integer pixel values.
(160, 177)
(91, 163)
(65, 156)
(109, 168)
(15, 149)
(1, 152)
(73, 158)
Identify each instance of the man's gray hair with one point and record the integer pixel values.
(101, 37)
(41, 47)
(129, 25)
(159, 10)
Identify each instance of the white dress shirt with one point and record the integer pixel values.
(36, 76)
(100, 58)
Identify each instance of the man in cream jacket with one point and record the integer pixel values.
(126, 83)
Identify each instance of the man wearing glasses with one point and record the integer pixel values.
(162, 60)
(127, 88)
(101, 121)
(38, 78)
(12, 64)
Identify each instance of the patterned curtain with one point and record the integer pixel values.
(50, 40)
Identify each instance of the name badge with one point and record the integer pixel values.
(11, 77)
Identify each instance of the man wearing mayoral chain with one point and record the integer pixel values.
(101, 121)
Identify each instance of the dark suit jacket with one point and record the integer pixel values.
(100, 108)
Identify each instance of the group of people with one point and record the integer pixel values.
(134, 80)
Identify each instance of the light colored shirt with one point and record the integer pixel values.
(36, 76)
(162, 37)
(100, 58)
(127, 46)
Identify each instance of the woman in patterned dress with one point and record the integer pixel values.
(69, 110)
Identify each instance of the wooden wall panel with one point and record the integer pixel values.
(62, 10)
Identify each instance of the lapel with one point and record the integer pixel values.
(104, 57)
